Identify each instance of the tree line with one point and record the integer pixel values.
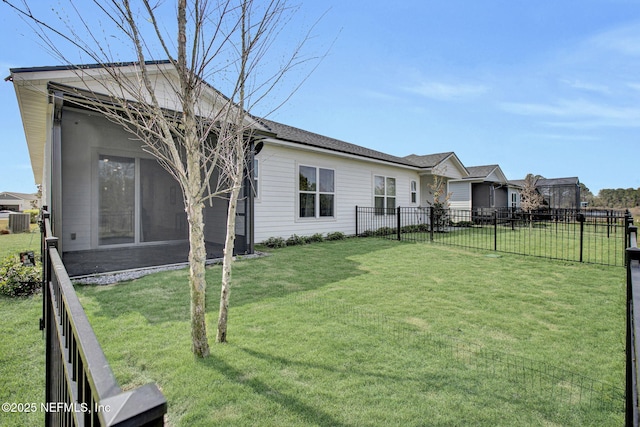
(619, 198)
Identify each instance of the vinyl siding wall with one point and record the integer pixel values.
(276, 204)
(460, 195)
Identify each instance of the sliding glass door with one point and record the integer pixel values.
(138, 202)
(116, 200)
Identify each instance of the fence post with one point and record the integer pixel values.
(398, 223)
(628, 220)
(581, 219)
(495, 230)
(356, 220)
(632, 253)
(431, 220)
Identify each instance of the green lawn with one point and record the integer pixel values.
(363, 332)
(11, 244)
(600, 244)
(371, 332)
(21, 343)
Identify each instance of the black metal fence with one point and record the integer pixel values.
(591, 236)
(81, 389)
(633, 326)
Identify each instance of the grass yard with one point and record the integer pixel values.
(11, 244)
(358, 332)
(21, 343)
(600, 244)
(375, 332)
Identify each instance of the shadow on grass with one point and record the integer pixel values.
(164, 297)
(305, 364)
(310, 414)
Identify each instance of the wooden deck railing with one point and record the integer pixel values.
(81, 389)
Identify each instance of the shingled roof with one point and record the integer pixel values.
(292, 134)
(481, 171)
(429, 160)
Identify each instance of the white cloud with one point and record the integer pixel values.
(447, 92)
(578, 113)
(624, 40)
(588, 87)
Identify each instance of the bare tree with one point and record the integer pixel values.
(440, 204)
(203, 139)
(530, 198)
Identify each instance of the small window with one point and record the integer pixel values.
(316, 192)
(414, 192)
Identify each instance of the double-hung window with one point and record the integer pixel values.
(316, 188)
(384, 194)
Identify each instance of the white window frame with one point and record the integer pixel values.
(385, 196)
(413, 191)
(317, 193)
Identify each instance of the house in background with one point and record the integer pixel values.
(18, 202)
(444, 166)
(558, 193)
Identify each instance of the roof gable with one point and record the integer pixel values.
(490, 173)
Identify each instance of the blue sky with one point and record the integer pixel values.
(551, 88)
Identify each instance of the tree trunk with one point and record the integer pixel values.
(229, 245)
(197, 282)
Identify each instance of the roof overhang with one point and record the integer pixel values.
(35, 88)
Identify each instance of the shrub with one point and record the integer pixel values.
(317, 237)
(35, 213)
(297, 240)
(17, 279)
(275, 242)
(337, 235)
(385, 231)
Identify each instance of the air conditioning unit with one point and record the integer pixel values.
(19, 222)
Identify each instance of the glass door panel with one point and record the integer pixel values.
(116, 200)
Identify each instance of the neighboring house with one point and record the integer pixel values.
(448, 167)
(17, 202)
(558, 193)
(484, 189)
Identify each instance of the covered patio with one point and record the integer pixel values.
(98, 261)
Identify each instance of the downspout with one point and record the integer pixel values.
(55, 194)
